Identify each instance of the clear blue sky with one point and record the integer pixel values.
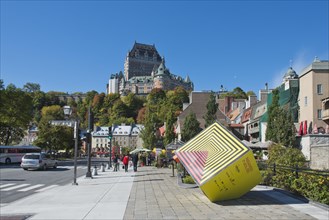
(74, 46)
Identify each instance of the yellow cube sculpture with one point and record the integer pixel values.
(220, 164)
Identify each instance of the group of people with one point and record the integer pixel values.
(125, 162)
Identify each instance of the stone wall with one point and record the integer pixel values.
(315, 147)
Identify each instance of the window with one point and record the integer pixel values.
(319, 113)
(305, 101)
(319, 89)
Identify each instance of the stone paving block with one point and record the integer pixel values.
(193, 204)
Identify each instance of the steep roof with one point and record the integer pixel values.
(142, 49)
(198, 106)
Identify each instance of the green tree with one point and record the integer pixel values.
(148, 133)
(285, 156)
(170, 133)
(239, 93)
(212, 107)
(155, 96)
(54, 137)
(280, 126)
(134, 104)
(250, 93)
(191, 127)
(31, 87)
(16, 114)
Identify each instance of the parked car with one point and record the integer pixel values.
(37, 161)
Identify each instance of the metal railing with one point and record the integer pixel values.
(296, 169)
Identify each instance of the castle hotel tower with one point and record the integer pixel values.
(141, 61)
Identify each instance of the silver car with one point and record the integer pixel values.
(37, 161)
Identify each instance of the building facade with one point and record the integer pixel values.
(122, 136)
(198, 106)
(314, 84)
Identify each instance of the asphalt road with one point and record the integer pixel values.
(16, 183)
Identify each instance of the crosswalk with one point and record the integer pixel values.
(25, 187)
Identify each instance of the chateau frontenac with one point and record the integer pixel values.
(144, 70)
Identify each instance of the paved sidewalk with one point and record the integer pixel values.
(103, 197)
(153, 193)
(156, 195)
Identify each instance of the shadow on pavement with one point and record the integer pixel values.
(259, 198)
(12, 180)
(149, 180)
(49, 170)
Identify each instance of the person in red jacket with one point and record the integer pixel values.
(125, 162)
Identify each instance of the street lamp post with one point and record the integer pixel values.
(67, 113)
(110, 159)
(110, 146)
(88, 174)
(90, 128)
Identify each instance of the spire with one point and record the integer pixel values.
(187, 79)
(163, 60)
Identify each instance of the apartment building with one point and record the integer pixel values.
(314, 89)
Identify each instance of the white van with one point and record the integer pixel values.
(37, 161)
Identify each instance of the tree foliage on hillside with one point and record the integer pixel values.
(280, 126)
(39, 108)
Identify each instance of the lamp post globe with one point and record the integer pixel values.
(67, 110)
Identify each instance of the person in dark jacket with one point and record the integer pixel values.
(116, 163)
(135, 160)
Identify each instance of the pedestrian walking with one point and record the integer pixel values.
(135, 161)
(116, 163)
(125, 162)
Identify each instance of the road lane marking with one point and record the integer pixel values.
(6, 185)
(31, 187)
(15, 187)
(45, 188)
